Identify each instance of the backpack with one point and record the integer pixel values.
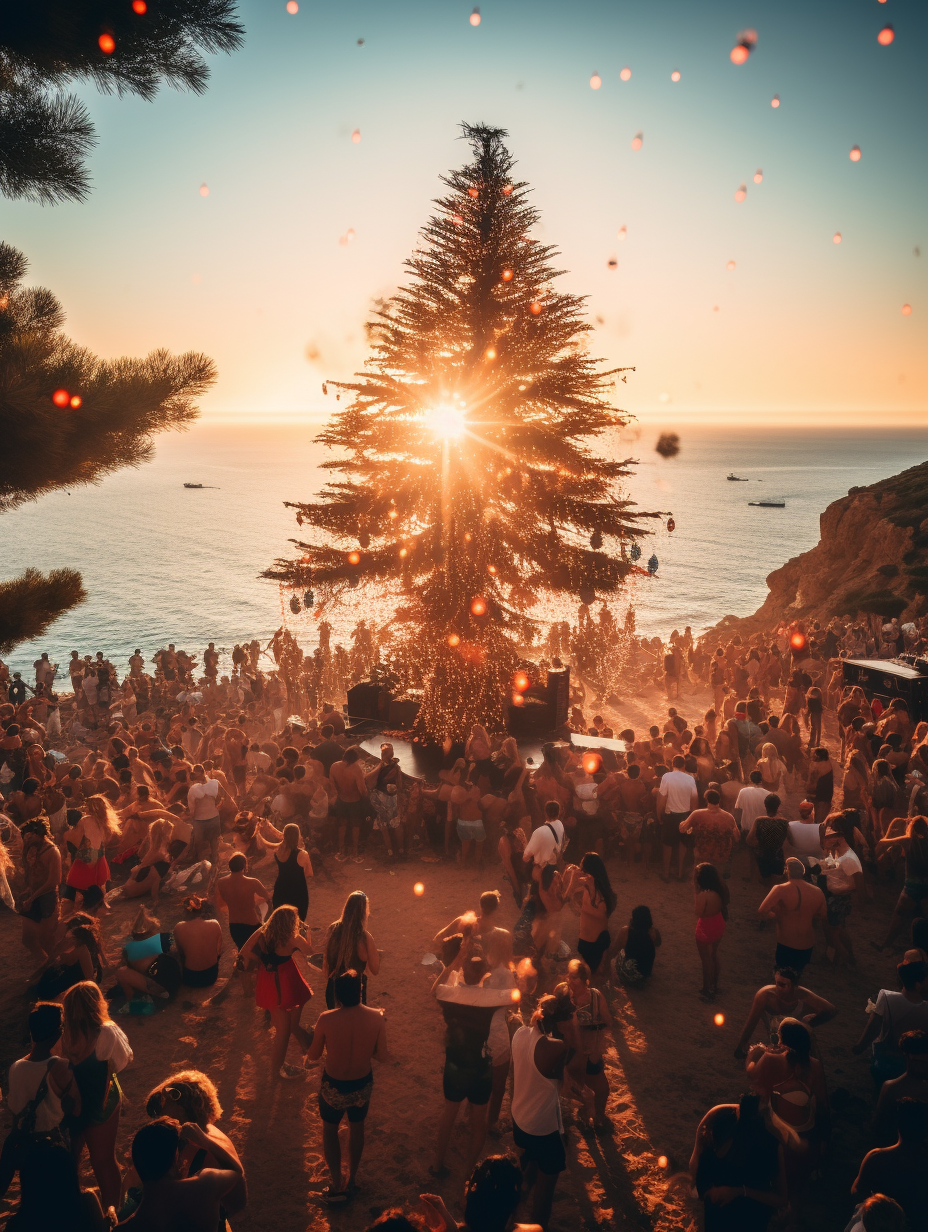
(23, 1133)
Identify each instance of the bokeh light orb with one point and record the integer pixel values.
(855, 154)
(729, 265)
(140, 7)
(404, 552)
(75, 401)
(906, 310)
(886, 36)
(798, 640)
(204, 190)
(622, 233)
(520, 681)
(739, 53)
(292, 7)
(490, 353)
(506, 275)
(612, 263)
(107, 44)
(775, 101)
(418, 889)
(473, 192)
(662, 1161)
(836, 238)
(675, 75)
(637, 141)
(518, 699)
(719, 1020)
(591, 762)
(758, 176)
(475, 17)
(534, 307)
(595, 81)
(626, 74)
(507, 190)
(453, 640)
(741, 192)
(478, 606)
(356, 136)
(354, 558)
(61, 397)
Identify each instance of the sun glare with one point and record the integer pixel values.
(446, 422)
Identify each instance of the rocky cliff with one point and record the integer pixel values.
(872, 557)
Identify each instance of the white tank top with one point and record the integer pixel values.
(536, 1108)
(25, 1077)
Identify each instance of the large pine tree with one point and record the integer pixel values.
(68, 418)
(470, 483)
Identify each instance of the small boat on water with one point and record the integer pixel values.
(768, 504)
(733, 478)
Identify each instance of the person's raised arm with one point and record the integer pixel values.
(821, 1011)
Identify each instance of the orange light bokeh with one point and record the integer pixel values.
(453, 640)
(475, 18)
(61, 397)
(741, 192)
(836, 238)
(591, 762)
(490, 353)
(418, 889)
(518, 699)
(404, 552)
(520, 681)
(506, 275)
(140, 7)
(76, 401)
(507, 190)
(906, 310)
(886, 36)
(354, 558)
(534, 307)
(775, 101)
(675, 75)
(798, 640)
(662, 1161)
(473, 192)
(739, 53)
(107, 44)
(292, 7)
(626, 74)
(758, 176)
(204, 190)
(356, 136)
(595, 81)
(478, 607)
(719, 1020)
(729, 265)
(855, 154)
(637, 141)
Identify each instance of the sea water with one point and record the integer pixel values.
(164, 563)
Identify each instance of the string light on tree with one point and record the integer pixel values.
(61, 397)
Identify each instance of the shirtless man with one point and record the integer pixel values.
(136, 663)
(481, 926)
(350, 1036)
(784, 998)
(237, 894)
(39, 904)
(190, 1204)
(353, 802)
(794, 906)
(235, 748)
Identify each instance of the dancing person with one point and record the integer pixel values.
(767, 836)
(844, 877)
(240, 896)
(715, 832)
(738, 1168)
(383, 783)
(784, 998)
(468, 1010)
(293, 872)
(98, 827)
(351, 1035)
(203, 799)
(349, 946)
(794, 907)
(502, 975)
(141, 956)
(592, 1020)
(38, 906)
(198, 939)
(597, 903)
(352, 803)
(636, 943)
(539, 1057)
(893, 1015)
(97, 1050)
(710, 904)
(911, 837)
(820, 785)
(677, 796)
(281, 988)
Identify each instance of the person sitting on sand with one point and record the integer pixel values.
(155, 861)
(636, 945)
(199, 943)
(140, 954)
(482, 925)
(351, 1036)
(784, 998)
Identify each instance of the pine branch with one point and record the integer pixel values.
(33, 601)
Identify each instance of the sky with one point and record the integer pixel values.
(801, 330)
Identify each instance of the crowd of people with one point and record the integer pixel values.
(232, 792)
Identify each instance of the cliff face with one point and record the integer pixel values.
(872, 557)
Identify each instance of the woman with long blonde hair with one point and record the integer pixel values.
(770, 767)
(147, 876)
(293, 871)
(349, 946)
(281, 988)
(97, 829)
(96, 1050)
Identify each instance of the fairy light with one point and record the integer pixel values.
(886, 36)
(626, 74)
(719, 1020)
(595, 81)
(758, 176)
(356, 136)
(675, 75)
(478, 606)
(506, 275)
(418, 889)
(292, 7)
(591, 762)
(855, 154)
(662, 1161)
(204, 190)
(836, 238)
(637, 141)
(107, 44)
(453, 640)
(775, 101)
(354, 558)
(475, 18)
(75, 402)
(741, 192)
(61, 397)
(906, 310)
(520, 682)
(535, 307)
(140, 7)
(490, 353)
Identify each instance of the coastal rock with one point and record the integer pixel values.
(872, 557)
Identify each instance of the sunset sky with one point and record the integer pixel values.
(253, 274)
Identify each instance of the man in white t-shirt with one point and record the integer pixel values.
(844, 875)
(202, 801)
(547, 842)
(750, 802)
(676, 798)
(898, 1012)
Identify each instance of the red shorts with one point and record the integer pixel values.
(709, 928)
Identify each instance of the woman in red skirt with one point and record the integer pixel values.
(88, 840)
(281, 988)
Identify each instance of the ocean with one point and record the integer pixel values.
(162, 563)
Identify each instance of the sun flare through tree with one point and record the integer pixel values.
(469, 484)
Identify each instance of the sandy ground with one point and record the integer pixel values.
(669, 1064)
